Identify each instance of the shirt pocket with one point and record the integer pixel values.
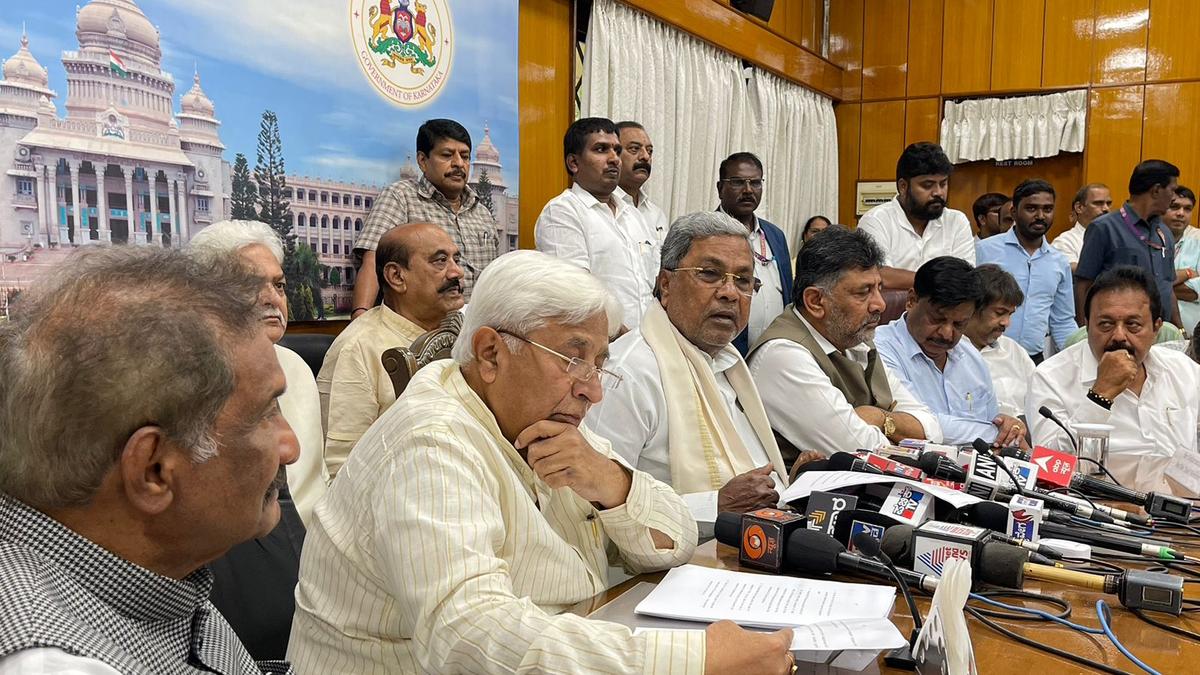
(1128, 255)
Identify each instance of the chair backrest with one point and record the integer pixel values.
(310, 346)
(894, 300)
(401, 363)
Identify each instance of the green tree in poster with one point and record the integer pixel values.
(484, 190)
(335, 277)
(305, 285)
(275, 210)
(245, 191)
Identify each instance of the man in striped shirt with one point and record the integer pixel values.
(477, 509)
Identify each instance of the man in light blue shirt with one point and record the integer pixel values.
(925, 349)
(1042, 271)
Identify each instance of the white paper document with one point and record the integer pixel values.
(824, 481)
(838, 635)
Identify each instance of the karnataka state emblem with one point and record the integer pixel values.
(405, 47)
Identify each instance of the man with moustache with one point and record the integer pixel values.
(1187, 256)
(1135, 235)
(1091, 201)
(688, 412)
(589, 225)
(440, 196)
(1040, 269)
(818, 373)
(993, 214)
(925, 349)
(1150, 395)
(1009, 364)
(917, 226)
(140, 444)
(422, 276)
(637, 157)
(740, 189)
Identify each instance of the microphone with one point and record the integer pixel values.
(998, 564)
(1052, 500)
(1048, 414)
(901, 657)
(844, 461)
(934, 465)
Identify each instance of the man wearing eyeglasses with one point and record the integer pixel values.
(478, 509)
(688, 412)
(740, 189)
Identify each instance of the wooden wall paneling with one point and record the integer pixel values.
(881, 140)
(925, 47)
(1067, 43)
(1114, 137)
(849, 122)
(967, 46)
(1169, 131)
(544, 90)
(922, 119)
(1119, 53)
(885, 49)
(846, 45)
(1171, 48)
(812, 24)
(973, 179)
(1017, 31)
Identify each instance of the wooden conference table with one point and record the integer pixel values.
(996, 653)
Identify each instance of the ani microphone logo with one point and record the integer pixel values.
(907, 503)
(405, 47)
(935, 559)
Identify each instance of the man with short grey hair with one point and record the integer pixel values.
(688, 412)
(140, 444)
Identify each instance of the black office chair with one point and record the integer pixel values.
(310, 346)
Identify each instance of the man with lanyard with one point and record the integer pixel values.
(1135, 235)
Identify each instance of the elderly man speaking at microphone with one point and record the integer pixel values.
(477, 509)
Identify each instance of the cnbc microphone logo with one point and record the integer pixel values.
(908, 501)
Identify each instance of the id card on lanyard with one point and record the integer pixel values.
(1145, 239)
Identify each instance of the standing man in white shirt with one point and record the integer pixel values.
(590, 226)
(740, 188)
(1010, 365)
(821, 381)
(637, 159)
(917, 226)
(1091, 201)
(1150, 395)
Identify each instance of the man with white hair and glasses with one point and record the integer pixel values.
(688, 412)
(477, 509)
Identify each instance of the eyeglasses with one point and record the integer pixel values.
(742, 183)
(577, 369)
(715, 278)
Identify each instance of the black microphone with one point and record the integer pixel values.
(818, 553)
(1048, 414)
(994, 516)
(999, 564)
(1054, 501)
(901, 657)
(935, 465)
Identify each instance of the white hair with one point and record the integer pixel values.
(230, 236)
(522, 291)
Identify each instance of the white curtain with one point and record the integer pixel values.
(1014, 128)
(698, 108)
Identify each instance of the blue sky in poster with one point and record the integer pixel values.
(297, 59)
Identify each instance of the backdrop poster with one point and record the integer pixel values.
(126, 122)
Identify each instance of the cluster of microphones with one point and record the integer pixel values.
(1033, 513)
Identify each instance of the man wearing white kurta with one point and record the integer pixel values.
(1009, 364)
(916, 226)
(637, 161)
(478, 509)
(1091, 201)
(688, 411)
(590, 226)
(1151, 396)
(822, 384)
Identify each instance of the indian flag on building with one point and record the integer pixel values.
(116, 64)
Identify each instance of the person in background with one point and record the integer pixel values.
(1091, 201)
(1187, 256)
(740, 188)
(1007, 361)
(991, 216)
(812, 227)
(637, 161)
(917, 225)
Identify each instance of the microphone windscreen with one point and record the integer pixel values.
(841, 461)
(845, 522)
(897, 544)
(866, 544)
(981, 446)
(988, 514)
(1002, 565)
(1045, 412)
(815, 465)
(728, 528)
(812, 551)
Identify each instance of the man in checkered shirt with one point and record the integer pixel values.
(142, 440)
(440, 196)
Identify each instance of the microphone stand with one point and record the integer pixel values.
(900, 657)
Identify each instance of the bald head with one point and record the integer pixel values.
(418, 269)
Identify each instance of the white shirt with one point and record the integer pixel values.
(633, 417)
(1071, 243)
(811, 413)
(48, 660)
(655, 218)
(439, 550)
(1012, 371)
(903, 248)
(301, 407)
(1149, 429)
(619, 249)
(767, 303)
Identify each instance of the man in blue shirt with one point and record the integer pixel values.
(1135, 235)
(1042, 272)
(925, 349)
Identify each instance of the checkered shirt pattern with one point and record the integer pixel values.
(60, 590)
(473, 228)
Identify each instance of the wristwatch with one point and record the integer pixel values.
(889, 425)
